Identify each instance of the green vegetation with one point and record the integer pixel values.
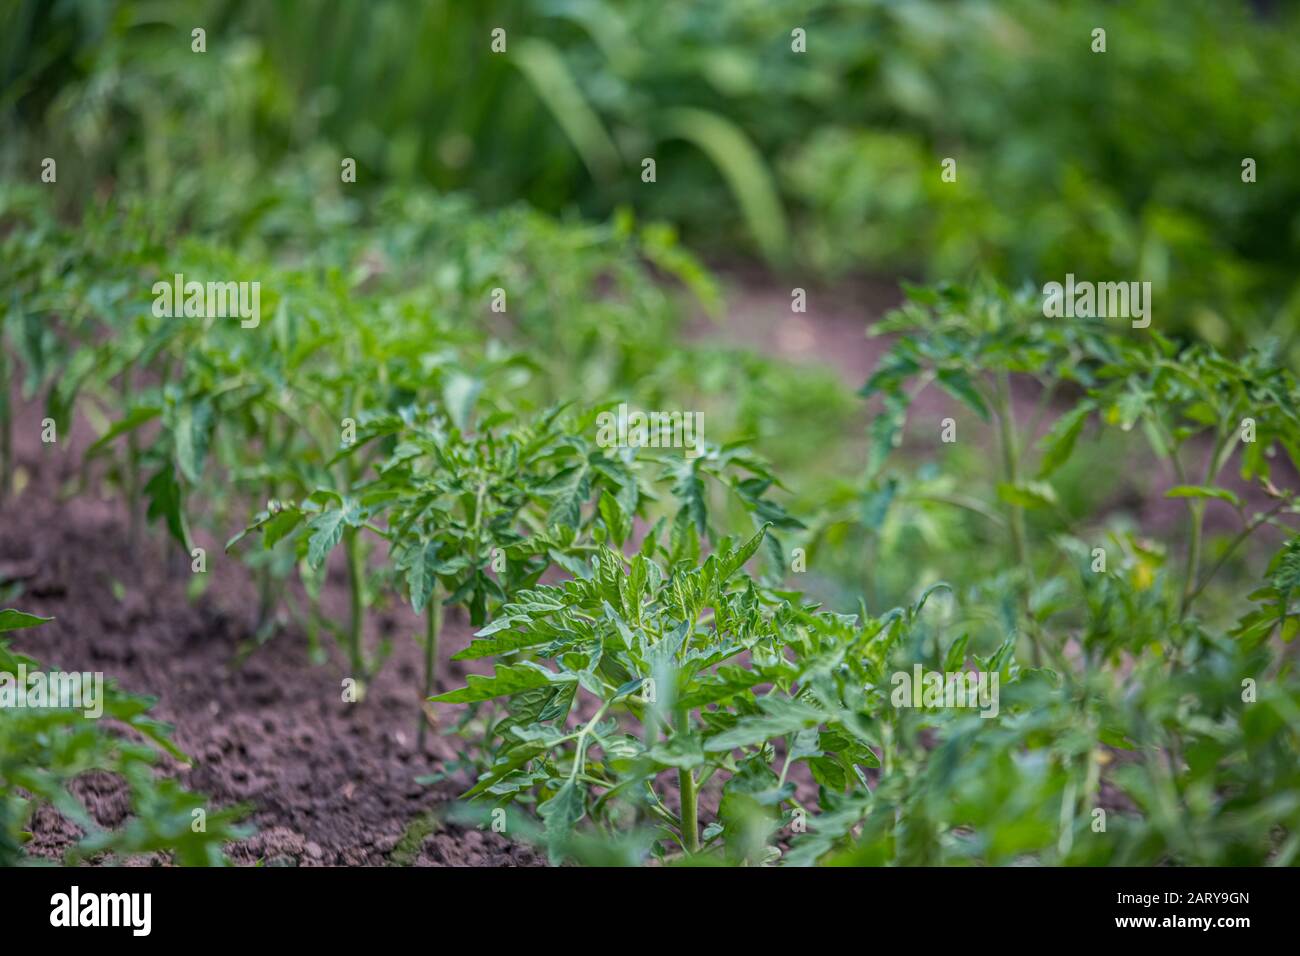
(44, 748)
(1103, 164)
(694, 658)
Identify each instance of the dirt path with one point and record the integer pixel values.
(831, 332)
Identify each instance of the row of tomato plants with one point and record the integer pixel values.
(372, 413)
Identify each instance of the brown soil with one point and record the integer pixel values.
(831, 332)
(328, 782)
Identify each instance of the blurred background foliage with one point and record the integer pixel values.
(1122, 165)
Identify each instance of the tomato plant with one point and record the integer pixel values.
(44, 748)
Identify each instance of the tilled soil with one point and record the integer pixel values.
(329, 783)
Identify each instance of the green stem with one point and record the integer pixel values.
(432, 624)
(1015, 513)
(1192, 568)
(132, 471)
(1011, 468)
(356, 589)
(580, 748)
(1233, 545)
(1196, 507)
(689, 794)
(690, 810)
(264, 584)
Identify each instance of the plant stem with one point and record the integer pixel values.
(1193, 566)
(690, 810)
(1233, 545)
(1044, 402)
(689, 795)
(132, 470)
(356, 588)
(1011, 467)
(1196, 508)
(432, 624)
(264, 584)
(1015, 513)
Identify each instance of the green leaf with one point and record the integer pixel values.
(570, 488)
(11, 620)
(164, 494)
(742, 166)
(509, 679)
(280, 526)
(689, 490)
(563, 812)
(459, 394)
(1028, 494)
(886, 430)
(134, 419)
(618, 523)
(545, 68)
(1128, 409)
(191, 434)
(960, 386)
(420, 562)
(504, 766)
(781, 715)
(735, 560)
(502, 644)
(1060, 439)
(683, 751)
(955, 658)
(1284, 573)
(327, 530)
(1205, 491)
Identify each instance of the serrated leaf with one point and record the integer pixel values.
(735, 560)
(563, 812)
(570, 490)
(327, 530)
(509, 679)
(781, 715)
(683, 751)
(618, 523)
